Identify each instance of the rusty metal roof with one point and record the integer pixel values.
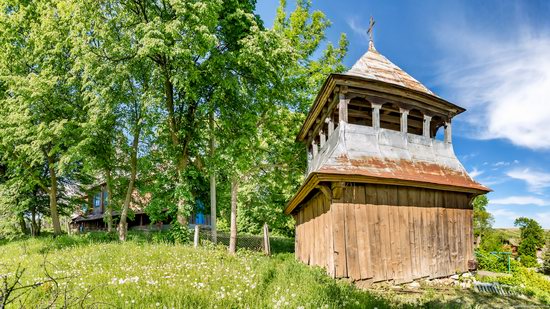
(381, 155)
(374, 65)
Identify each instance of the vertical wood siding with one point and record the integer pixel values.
(379, 233)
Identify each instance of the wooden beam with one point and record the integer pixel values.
(343, 108)
(448, 135)
(314, 179)
(404, 118)
(376, 115)
(359, 86)
(337, 189)
(330, 125)
(325, 189)
(426, 126)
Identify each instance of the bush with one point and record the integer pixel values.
(528, 261)
(494, 262)
(179, 234)
(528, 282)
(100, 237)
(281, 244)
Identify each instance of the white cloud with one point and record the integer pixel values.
(504, 81)
(356, 27)
(502, 163)
(520, 200)
(544, 219)
(475, 173)
(536, 181)
(505, 213)
(506, 218)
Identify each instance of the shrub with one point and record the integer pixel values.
(100, 237)
(532, 237)
(528, 282)
(179, 234)
(494, 262)
(528, 260)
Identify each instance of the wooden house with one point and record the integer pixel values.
(91, 213)
(385, 198)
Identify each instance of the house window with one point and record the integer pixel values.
(84, 207)
(105, 198)
(97, 200)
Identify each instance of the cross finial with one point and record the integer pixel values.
(371, 26)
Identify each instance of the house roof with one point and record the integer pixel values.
(375, 66)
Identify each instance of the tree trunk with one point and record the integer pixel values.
(182, 158)
(53, 198)
(213, 183)
(109, 208)
(23, 224)
(123, 225)
(213, 208)
(233, 233)
(35, 226)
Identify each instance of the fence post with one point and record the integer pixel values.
(267, 245)
(196, 239)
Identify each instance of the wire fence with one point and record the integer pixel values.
(276, 244)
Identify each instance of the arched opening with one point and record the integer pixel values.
(324, 128)
(415, 122)
(390, 117)
(360, 112)
(435, 125)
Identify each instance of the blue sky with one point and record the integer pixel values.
(491, 57)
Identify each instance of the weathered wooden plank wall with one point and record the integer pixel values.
(379, 232)
(314, 240)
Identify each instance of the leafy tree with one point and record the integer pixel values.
(493, 241)
(483, 220)
(261, 159)
(532, 238)
(41, 108)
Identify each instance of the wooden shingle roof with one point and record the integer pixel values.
(373, 65)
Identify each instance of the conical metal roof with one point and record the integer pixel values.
(374, 65)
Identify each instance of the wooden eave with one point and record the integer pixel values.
(315, 178)
(379, 89)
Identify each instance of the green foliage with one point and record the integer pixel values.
(79, 79)
(532, 238)
(495, 262)
(178, 233)
(483, 220)
(493, 241)
(528, 282)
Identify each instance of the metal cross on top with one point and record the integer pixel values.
(371, 25)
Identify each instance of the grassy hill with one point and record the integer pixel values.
(514, 235)
(83, 272)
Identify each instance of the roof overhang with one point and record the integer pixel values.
(378, 88)
(315, 178)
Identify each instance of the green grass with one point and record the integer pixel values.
(139, 274)
(96, 271)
